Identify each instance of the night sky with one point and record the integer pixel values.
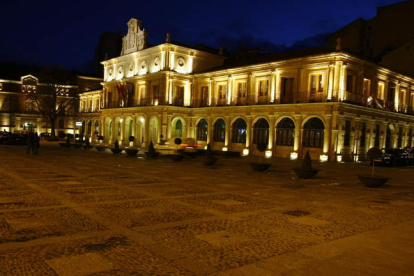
(56, 32)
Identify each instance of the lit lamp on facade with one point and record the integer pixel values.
(293, 155)
(245, 152)
(323, 158)
(268, 154)
(225, 149)
(339, 158)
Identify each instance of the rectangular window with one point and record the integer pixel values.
(316, 84)
(380, 93)
(350, 83)
(110, 99)
(287, 90)
(391, 92)
(204, 94)
(363, 135)
(347, 137)
(155, 92)
(242, 89)
(222, 92)
(263, 88)
(367, 87)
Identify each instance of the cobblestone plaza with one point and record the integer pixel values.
(75, 212)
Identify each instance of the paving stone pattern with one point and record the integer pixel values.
(75, 212)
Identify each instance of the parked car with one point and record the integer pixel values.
(393, 157)
(410, 154)
(14, 139)
(168, 147)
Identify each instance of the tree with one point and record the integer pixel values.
(56, 96)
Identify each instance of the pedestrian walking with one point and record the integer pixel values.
(32, 143)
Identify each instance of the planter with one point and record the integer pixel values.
(260, 167)
(132, 152)
(373, 181)
(77, 145)
(101, 148)
(305, 173)
(176, 157)
(116, 151)
(210, 161)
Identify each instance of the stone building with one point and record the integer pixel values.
(335, 104)
(18, 110)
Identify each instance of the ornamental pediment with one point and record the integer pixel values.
(136, 39)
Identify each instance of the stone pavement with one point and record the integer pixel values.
(74, 212)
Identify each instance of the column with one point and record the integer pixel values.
(249, 136)
(227, 138)
(272, 128)
(169, 126)
(229, 90)
(298, 132)
(277, 87)
(342, 83)
(112, 136)
(327, 135)
(272, 86)
(331, 70)
(210, 92)
(147, 134)
(336, 81)
(209, 130)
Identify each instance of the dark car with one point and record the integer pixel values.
(394, 157)
(411, 154)
(14, 139)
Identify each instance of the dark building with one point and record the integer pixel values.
(387, 39)
(110, 45)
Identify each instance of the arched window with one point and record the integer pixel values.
(219, 134)
(261, 131)
(285, 132)
(178, 129)
(119, 128)
(202, 130)
(239, 131)
(110, 128)
(96, 127)
(313, 132)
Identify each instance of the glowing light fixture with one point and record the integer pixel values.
(225, 149)
(339, 158)
(245, 152)
(268, 154)
(293, 155)
(323, 158)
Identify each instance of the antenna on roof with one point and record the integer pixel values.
(168, 40)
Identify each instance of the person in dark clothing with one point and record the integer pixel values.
(32, 143)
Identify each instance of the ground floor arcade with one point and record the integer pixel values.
(330, 131)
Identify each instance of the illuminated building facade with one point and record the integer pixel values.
(18, 111)
(332, 103)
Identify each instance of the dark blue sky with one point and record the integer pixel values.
(66, 32)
